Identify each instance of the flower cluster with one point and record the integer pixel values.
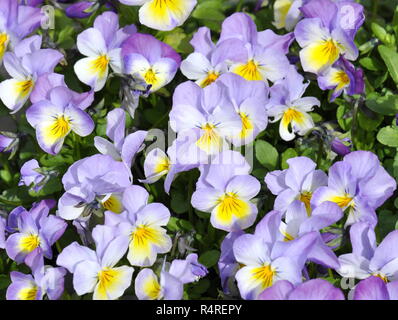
(115, 230)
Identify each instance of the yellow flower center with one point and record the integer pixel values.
(249, 71)
(342, 79)
(247, 125)
(290, 115)
(60, 128)
(305, 197)
(3, 43)
(211, 77)
(162, 165)
(152, 289)
(24, 87)
(107, 278)
(230, 205)
(264, 275)
(150, 76)
(113, 204)
(29, 243)
(381, 276)
(100, 64)
(28, 293)
(210, 141)
(343, 201)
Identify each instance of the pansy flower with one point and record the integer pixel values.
(55, 117)
(158, 164)
(36, 232)
(25, 65)
(254, 55)
(96, 271)
(249, 100)
(93, 184)
(342, 77)
(149, 60)
(205, 118)
(324, 35)
(142, 224)
(16, 22)
(225, 189)
(45, 281)
(287, 13)
(367, 259)
(358, 184)
(207, 62)
(162, 15)
(298, 182)
(288, 105)
(102, 47)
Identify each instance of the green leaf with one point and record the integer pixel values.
(387, 104)
(370, 63)
(286, 155)
(209, 258)
(209, 10)
(369, 123)
(266, 154)
(388, 136)
(179, 202)
(390, 58)
(344, 116)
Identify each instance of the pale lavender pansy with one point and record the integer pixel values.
(55, 117)
(45, 281)
(149, 60)
(254, 55)
(298, 182)
(92, 184)
(288, 105)
(101, 45)
(96, 271)
(367, 259)
(358, 184)
(226, 190)
(25, 65)
(36, 231)
(142, 224)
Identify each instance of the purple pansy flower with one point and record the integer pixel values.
(316, 289)
(147, 59)
(36, 232)
(54, 118)
(142, 224)
(366, 258)
(205, 118)
(327, 34)
(225, 189)
(25, 65)
(207, 62)
(96, 271)
(254, 55)
(16, 22)
(102, 47)
(298, 182)
(342, 76)
(44, 281)
(288, 105)
(91, 184)
(358, 184)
